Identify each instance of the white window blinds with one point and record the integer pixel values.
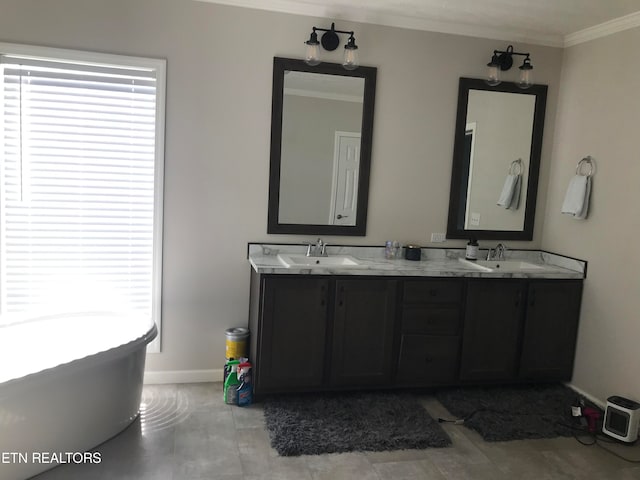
(78, 185)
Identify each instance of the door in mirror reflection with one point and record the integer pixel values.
(346, 166)
(320, 150)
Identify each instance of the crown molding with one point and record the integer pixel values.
(602, 30)
(281, 6)
(415, 23)
(380, 18)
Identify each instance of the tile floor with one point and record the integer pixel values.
(188, 433)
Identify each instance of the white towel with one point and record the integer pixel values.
(510, 195)
(576, 201)
(515, 200)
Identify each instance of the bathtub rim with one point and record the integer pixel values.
(85, 362)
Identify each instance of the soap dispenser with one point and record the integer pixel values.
(472, 250)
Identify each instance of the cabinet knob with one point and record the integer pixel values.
(428, 359)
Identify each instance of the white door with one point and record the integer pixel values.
(346, 164)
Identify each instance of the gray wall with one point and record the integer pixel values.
(219, 62)
(598, 115)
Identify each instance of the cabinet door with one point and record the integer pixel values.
(550, 329)
(427, 360)
(365, 312)
(491, 330)
(293, 336)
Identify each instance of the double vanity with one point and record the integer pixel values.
(353, 319)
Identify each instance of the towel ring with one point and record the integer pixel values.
(516, 163)
(585, 161)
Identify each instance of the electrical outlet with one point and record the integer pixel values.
(438, 237)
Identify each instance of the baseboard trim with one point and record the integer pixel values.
(588, 396)
(183, 376)
(216, 375)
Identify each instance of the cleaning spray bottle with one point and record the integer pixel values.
(232, 383)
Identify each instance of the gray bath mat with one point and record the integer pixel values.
(513, 413)
(331, 423)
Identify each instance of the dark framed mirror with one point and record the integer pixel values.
(496, 160)
(321, 135)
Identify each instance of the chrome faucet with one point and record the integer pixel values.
(317, 250)
(497, 253)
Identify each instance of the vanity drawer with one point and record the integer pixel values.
(433, 291)
(428, 359)
(431, 319)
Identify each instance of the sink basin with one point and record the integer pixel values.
(309, 262)
(510, 265)
(503, 265)
(474, 264)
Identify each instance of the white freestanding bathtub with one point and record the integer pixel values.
(67, 384)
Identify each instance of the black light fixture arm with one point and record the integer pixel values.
(504, 58)
(330, 40)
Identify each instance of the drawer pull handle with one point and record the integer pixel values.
(428, 359)
(433, 292)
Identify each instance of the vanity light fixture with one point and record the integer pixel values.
(502, 60)
(330, 42)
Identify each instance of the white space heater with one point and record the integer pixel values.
(621, 419)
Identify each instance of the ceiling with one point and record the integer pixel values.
(556, 23)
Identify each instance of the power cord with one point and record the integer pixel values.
(460, 421)
(616, 454)
(596, 438)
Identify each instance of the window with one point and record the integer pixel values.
(81, 178)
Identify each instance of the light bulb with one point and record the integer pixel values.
(351, 54)
(350, 59)
(493, 75)
(312, 54)
(526, 75)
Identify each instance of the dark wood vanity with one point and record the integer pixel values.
(333, 332)
(393, 329)
(400, 329)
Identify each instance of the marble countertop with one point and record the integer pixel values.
(435, 262)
